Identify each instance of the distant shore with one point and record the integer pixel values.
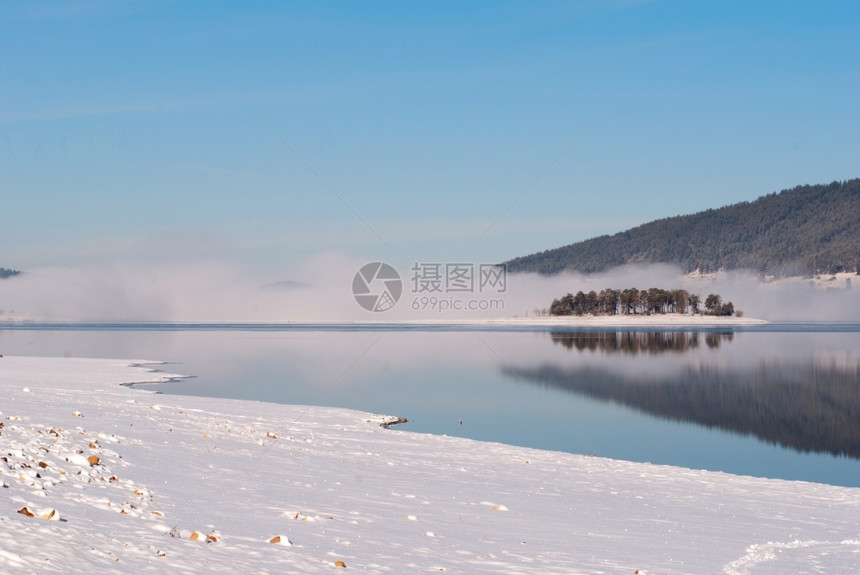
(635, 320)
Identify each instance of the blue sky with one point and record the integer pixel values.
(165, 127)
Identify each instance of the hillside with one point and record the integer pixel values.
(793, 232)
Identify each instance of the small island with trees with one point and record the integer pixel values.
(633, 301)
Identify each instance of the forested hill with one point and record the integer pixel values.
(794, 232)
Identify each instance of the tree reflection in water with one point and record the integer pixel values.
(809, 405)
(633, 342)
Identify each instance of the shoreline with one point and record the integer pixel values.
(183, 483)
(668, 320)
(657, 320)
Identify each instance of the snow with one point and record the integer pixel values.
(102, 478)
(839, 280)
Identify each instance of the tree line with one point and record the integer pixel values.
(633, 301)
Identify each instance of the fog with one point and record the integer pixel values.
(206, 287)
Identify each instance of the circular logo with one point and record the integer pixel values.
(377, 286)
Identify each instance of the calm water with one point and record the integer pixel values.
(773, 401)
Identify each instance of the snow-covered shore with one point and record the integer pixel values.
(131, 481)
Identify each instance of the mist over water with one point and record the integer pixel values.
(188, 288)
(634, 395)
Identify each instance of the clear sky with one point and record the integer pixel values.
(274, 131)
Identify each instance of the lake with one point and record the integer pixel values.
(777, 400)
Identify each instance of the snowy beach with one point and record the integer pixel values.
(103, 478)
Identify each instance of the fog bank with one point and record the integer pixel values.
(213, 289)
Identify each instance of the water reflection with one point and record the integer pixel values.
(634, 342)
(809, 404)
(710, 399)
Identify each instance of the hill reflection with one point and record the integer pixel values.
(806, 405)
